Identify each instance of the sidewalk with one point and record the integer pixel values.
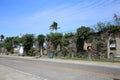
(92, 63)
(7, 73)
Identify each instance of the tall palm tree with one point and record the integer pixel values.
(1, 38)
(54, 26)
(41, 40)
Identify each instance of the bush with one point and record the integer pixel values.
(31, 52)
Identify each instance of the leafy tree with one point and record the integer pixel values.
(54, 26)
(41, 40)
(27, 42)
(55, 39)
(113, 28)
(8, 44)
(82, 35)
(16, 41)
(107, 26)
(70, 34)
(102, 26)
(117, 19)
(69, 44)
(32, 52)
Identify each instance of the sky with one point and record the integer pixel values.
(35, 16)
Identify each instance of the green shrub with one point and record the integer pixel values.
(31, 52)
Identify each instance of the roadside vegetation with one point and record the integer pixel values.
(66, 46)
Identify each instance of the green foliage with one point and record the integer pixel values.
(55, 39)
(67, 35)
(99, 44)
(65, 42)
(82, 35)
(113, 28)
(108, 27)
(83, 32)
(27, 41)
(54, 26)
(102, 26)
(1, 44)
(41, 40)
(16, 41)
(31, 52)
(8, 44)
(1, 38)
(117, 20)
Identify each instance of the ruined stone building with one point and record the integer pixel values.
(113, 45)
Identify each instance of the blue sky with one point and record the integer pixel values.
(35, 16)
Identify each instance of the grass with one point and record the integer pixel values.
(85, 59)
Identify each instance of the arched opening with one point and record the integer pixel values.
(111, 56)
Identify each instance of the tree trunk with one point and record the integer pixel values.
(41, 53)
(72, 55)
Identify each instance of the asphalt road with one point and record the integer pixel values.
(61, 71)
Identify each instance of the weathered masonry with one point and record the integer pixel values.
(113, 45)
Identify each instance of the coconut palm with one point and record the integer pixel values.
(54, 26)
(41, 40)
(1, 38)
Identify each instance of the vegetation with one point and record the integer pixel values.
(69, 44)
(1, 37)
(8, 44)
(55, 39)
(41, 40)
(27, 42)
(54, 26)
(82, 35)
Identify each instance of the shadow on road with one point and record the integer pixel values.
(116, 79)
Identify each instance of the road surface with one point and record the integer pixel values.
(51, 70)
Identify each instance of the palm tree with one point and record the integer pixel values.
(1, 38)
(27, 42)
(54, 40)
(54, 26)
(41, 40)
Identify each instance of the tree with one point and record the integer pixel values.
(55, 39)
(1, 38)
(82, 35)
(54, 26)
(117, 19)
(41, 40)
(27, 42)
(16, 41)
(8, 44)
(69, 43)
(102, 26)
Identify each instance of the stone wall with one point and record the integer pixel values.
(113, 53)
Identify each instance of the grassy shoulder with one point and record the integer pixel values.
(85, 59)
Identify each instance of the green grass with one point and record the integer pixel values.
(85, 59)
